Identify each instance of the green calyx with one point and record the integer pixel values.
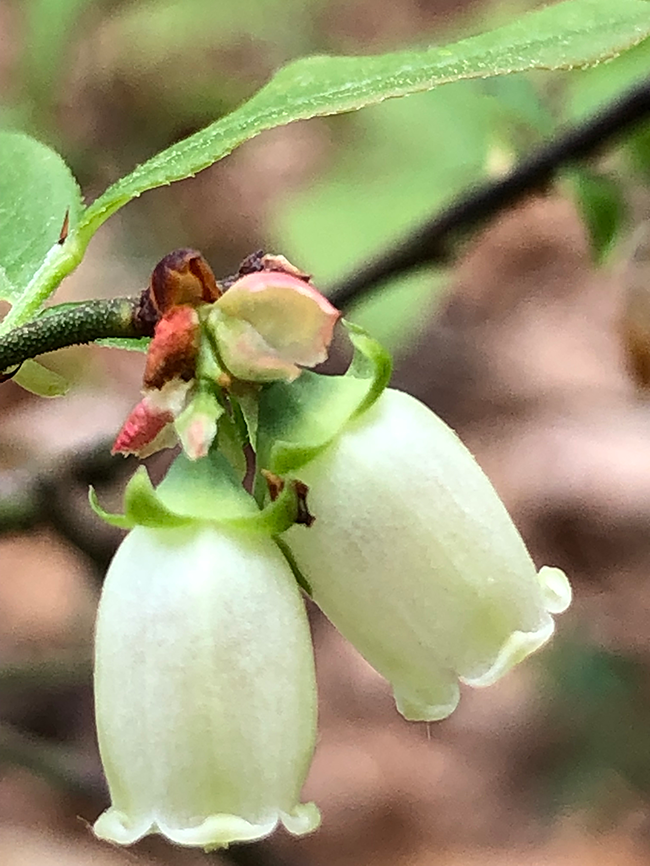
(298, 420)
(206, 490)
(290, 423)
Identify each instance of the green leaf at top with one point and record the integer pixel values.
(565, 35)
(37, 189)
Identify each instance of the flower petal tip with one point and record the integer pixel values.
(305, 818)
(430, 707)
(517, 647)
(114, 826)
(556, 589)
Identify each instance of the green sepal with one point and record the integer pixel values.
(298, 420)
(145, 507)
(142, 506)
(210, 490)
(371, 361)
(121, 521)
(206, 490)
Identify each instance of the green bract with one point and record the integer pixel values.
(206, 491)
(298, 420)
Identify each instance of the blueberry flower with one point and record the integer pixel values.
(204, 685)
(416, 561)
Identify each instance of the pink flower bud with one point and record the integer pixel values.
(269, 324)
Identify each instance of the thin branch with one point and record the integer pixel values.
(437, 241)
(71, 324)
(64, 669)
(61, 766)
(50, 496)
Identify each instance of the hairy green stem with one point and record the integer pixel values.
(58, 263)
(69, 324)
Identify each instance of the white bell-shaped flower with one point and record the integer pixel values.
(415, 559)
(205, 695)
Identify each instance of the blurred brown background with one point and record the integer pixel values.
(535, 347)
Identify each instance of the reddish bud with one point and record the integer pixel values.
(140, 429)
(149, 426)
(183, 277)
(174, 348)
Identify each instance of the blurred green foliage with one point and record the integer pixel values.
(599, 710)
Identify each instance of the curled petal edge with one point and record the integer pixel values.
(436, 703)
(216, 831)
(432, 705)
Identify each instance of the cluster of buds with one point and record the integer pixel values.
(211, 339)
(205, 691)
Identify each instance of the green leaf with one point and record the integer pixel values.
(601, 203)
(298, 420)
(562, 36)
(39, 380)
(37, 189)
(7, 289)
